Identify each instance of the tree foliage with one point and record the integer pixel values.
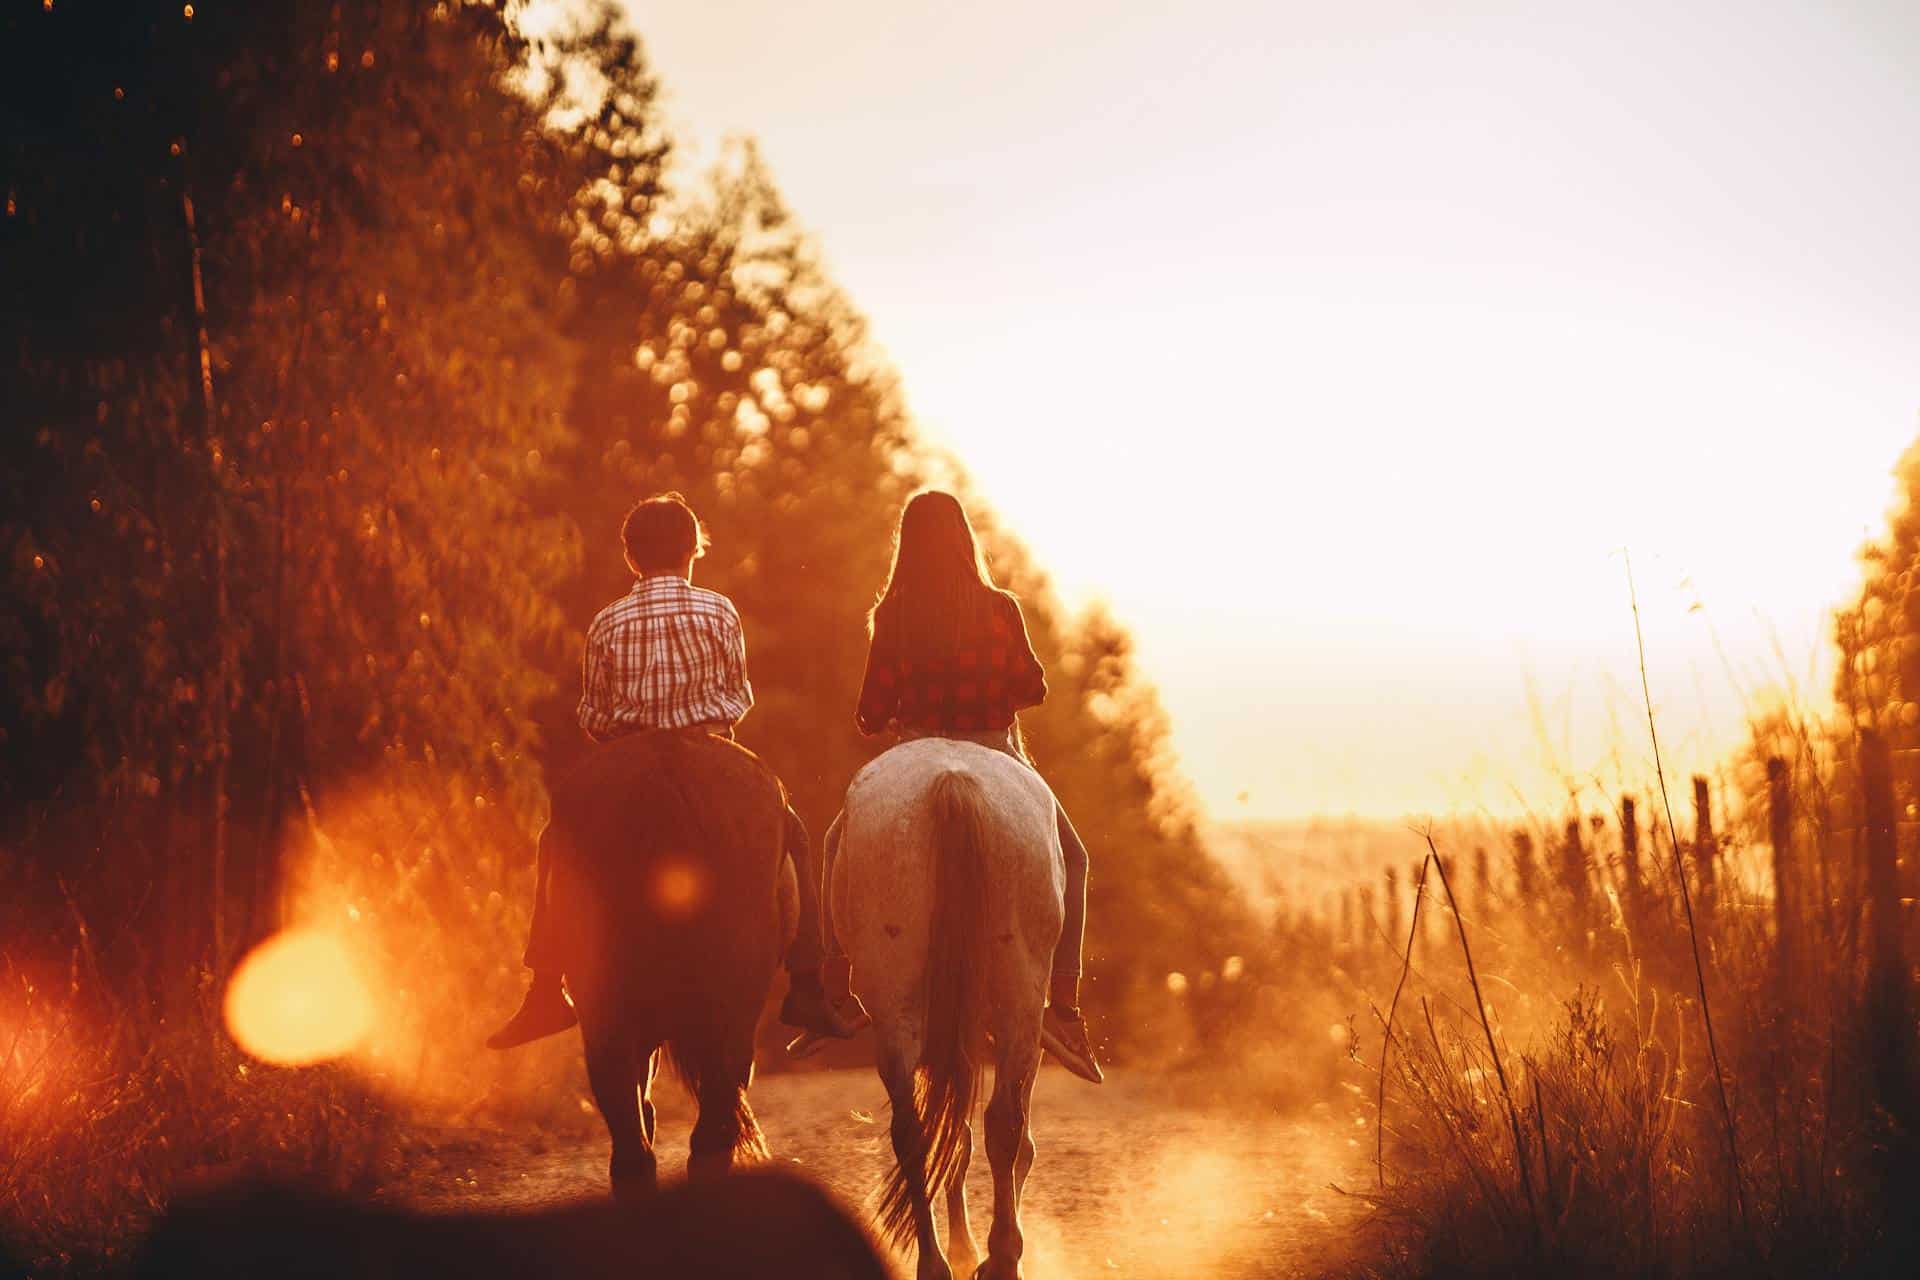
(459, 311)
(1879, 636)
(314, 556)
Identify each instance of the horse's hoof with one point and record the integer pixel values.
(633, 1186)
(630, 1193)
(709, 1168)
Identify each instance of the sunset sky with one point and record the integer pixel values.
(1340, 348)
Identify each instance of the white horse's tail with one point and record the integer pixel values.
(952, 1054)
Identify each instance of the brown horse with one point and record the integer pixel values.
(670, 859)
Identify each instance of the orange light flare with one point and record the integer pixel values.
(36, 1050)
(298, 999)
(678, 887)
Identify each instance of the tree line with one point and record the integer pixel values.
(337, 338)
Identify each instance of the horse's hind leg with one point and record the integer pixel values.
(613, 1075)
(962, 1254)
(909, 1152)
(726, 1125)
(1010, 1152)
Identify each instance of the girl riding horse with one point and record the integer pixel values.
(949, 658)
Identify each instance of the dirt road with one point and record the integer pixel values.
(1124, 1185)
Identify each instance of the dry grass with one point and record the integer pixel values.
(119, 1082)
(1614, 1158)
(106, 1110)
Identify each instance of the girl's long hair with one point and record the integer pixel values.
(939, 589)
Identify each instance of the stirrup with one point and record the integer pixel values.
(807, 1044)
(1080, 1062)
(523, 1029)
(812, 1040)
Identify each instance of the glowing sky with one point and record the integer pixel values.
(1339, 347)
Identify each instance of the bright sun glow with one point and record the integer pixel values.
(1340, 348)
(297, 999)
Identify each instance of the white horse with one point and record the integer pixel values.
(947, 895)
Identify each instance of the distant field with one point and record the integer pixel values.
(1302, 863)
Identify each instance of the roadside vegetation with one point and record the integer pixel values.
(338, 339)
(1563, 1106)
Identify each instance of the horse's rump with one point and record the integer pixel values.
(884, 879)
(668, 851)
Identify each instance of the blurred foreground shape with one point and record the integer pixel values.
(755, 1224)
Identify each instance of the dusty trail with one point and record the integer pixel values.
(1125, 1185)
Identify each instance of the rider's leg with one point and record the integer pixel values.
(804, 954)
(809, 1004)
(545, 1009)
(1065, 986)
(1062, 1030)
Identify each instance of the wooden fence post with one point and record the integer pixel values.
(1420, 921)
(1704, 850)
(1523, 867)
(1573, 871)
(1393, 905)
(1629, 849)
(1656, 861)
(1482, 881)
(1786, 913)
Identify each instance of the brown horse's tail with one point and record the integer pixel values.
(703, 1054)
(948, 1079)
(691, 1062)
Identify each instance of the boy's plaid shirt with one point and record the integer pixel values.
(666, 655)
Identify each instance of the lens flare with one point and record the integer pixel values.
(679, 888)
(297, 999)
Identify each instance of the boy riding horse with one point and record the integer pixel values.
(669, 655)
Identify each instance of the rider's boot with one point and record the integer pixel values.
(821, 1003)
(545, 1011)
(1063, 1032)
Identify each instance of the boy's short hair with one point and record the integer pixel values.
(662, 532)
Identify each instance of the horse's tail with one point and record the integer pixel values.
(698, 1055)
(691, 1062)
(952, 1052)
